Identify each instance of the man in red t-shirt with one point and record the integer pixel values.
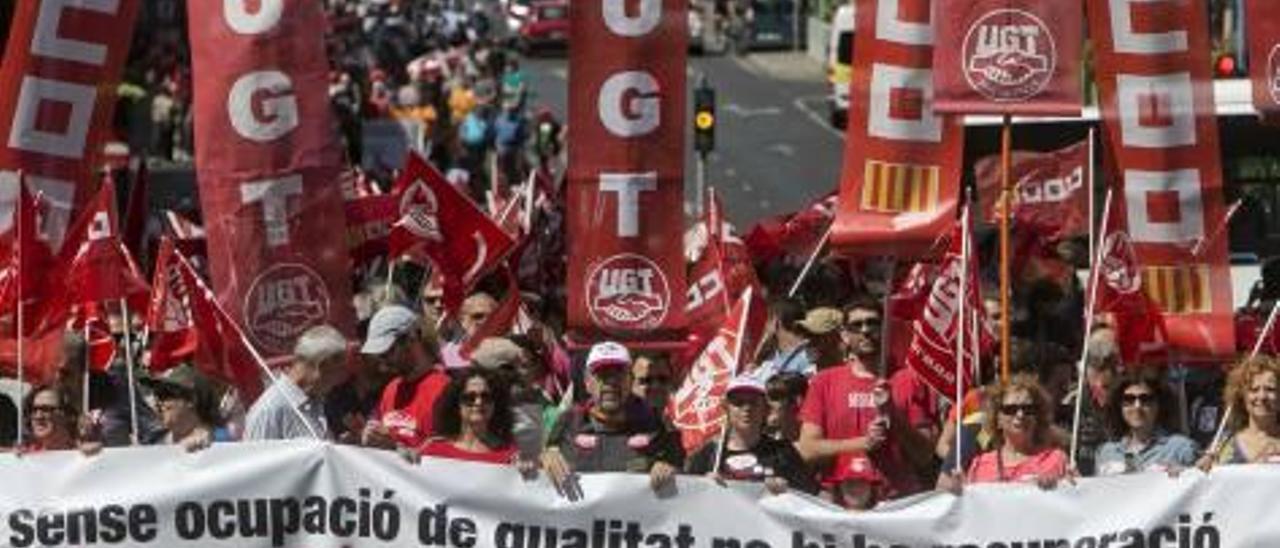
(849, 409)
(398, 343)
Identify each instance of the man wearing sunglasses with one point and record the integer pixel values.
(849, 410)
(611, 433)
(398, 343)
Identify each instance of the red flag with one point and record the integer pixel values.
(462, 242)
(901, 177)
(1009, 57)
(62, 64)
(1139, 325)
(173, 334)
(1153, 73)
(41, 355)
(267, 161)
(28, 261)
(223, 350)
(100, 268)
(932, 352)
(625, 196)
(136, 212)
(502, 320)
(695, 408)
(1263, 33)
(795, 233)
(100, 345)
(369, 220)
(1050, 196)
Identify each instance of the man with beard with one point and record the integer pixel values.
(849, 410)
(614, 431)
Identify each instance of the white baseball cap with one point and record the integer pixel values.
(606, 354)
(746, 383)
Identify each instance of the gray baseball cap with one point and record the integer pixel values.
(388, 324)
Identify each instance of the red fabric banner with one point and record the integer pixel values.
(901, 176)
(1009, 57)
(57, 91)
(269, 163)
(1262, 19)
(173, 334)
(1138, 323)
(626, 168)
(1153, 74)
(1050, 194)
(98, 267)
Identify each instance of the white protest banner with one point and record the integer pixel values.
(314, 494)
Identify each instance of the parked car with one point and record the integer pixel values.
(840, 64)
(546, 27)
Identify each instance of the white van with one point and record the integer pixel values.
(840, 64)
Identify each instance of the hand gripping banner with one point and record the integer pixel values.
(1009, 56)
(1158, 110)
(626, 141)
(57, 90)
(268, 166)
(901, 176)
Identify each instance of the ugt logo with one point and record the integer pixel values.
(1009, 55)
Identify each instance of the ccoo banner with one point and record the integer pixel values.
(1263, 33)
(901, 176)
(626, 167)
(1158, 111)
(309, 494)
(1015, 57)
(269, 166)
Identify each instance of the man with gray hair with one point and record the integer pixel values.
(294, 405)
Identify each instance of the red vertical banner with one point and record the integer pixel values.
(268, 165)
(62, 62)
(901, 176)
(626, 161)
(1262, 29)
(1158, 110)
(1009, 57)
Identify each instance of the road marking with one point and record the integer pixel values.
(784, 149)
(747, 112)
(816, 117)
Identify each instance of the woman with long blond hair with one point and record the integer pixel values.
(1253, 395)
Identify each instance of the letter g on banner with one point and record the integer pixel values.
(279, 111)
(629, 104)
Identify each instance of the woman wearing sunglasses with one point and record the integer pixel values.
(1019, 420)
(51, 421)
(473, 419)
(1143, 416)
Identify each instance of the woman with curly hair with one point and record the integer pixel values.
(51, 420)
(473, 420)
(1252, 395)
(1142, 416)
(1019, 419)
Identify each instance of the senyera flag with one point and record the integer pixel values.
(437, 221)
(1050, 196)
(58, 82)
(696, 407)
(268, 164)
(1009, 56)
(1153, 73)
(901, 177)
(625, 200)
(1263, 20)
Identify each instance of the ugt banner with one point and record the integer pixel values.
(1009, 56)
(626, 167)
(1262, 20)
(1158, 111)
(271, 494)
(901, 176)
(269, 166)
(57, 91)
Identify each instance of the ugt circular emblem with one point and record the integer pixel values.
(628, 292)
(1009, 55)
(1273, 74)
(283, 301)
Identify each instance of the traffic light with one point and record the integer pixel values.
(704, 118)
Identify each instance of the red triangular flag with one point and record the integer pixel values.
(223, 351)
(100, 268)
(173, 334)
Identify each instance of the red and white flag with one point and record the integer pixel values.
(436, 220)
(942, 320)
(1050, 196)
(369, 221)
(268, 163)
(1153, 73)
(1262, 19)
(901, 177)
(98, 266)
(58, 81)
(625, 211)
(1122, 299)
(794, 234)
(1009, 56)
(503, 320)
(28, 262)
(173, 334)
(695, 408)
(721, 271)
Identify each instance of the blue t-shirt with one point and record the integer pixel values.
(1164, 452)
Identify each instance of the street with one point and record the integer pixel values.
(775, 151)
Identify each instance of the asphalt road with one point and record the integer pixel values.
(775, 151)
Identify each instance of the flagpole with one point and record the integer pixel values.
(1089, 194)
(1095, 268)
(129, 375)
(813, 257)
(961, 326)
(1006, 159)
(88, 364)
(17, 217)
(1216, 445)
(737, 357)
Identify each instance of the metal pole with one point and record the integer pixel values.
(960, 331)
(1088, 326)
(808, 265)
(129, 376)
(1006, 142)
(701, 183)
